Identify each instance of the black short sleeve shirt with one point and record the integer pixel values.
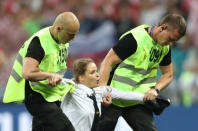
(35, 50)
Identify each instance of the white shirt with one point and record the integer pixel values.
(79, 108)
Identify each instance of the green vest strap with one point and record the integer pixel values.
(16, 76)
(138, 70)
(19, 58)
(132, 82)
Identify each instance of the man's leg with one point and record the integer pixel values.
(51, 117)
(109, 118)
(37, 125)
(139, 118)
(47, 116)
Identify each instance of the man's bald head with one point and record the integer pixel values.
(65, 27)
(67, 20)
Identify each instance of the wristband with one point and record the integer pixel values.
(156, 89)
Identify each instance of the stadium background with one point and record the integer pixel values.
(102, 22)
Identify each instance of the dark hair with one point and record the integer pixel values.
(175, 21)
(80, 66)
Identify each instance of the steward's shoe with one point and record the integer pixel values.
(158, 105)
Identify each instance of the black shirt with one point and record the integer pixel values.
(35, 50)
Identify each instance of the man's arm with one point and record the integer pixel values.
(34, 56)
(110, 60)
(122, 50)
(166, 78)
(163, 82)
(32, 72)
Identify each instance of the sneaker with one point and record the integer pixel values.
(158, 105)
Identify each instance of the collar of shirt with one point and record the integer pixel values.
(85, 89)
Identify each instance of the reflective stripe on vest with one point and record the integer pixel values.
(132, 82)
(20, 59)
(140, 71)
(14, 74)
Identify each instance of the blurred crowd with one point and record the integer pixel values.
(102, 23)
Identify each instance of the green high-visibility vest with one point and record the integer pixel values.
(137, 73)
(54, 61)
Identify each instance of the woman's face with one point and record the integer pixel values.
(91, 76)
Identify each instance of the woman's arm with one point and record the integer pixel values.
(124, 95)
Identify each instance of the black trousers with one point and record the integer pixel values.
(47, 116)
(138, 117)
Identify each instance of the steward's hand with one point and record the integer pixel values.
(54, 79)
(150, 94)
(107, 100)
